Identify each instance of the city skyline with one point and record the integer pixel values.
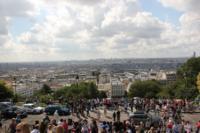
(92, 29)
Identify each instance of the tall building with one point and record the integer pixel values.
(117, 89)
(194, 54)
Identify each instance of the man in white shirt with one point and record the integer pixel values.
(35, 129)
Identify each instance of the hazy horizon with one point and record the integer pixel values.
(98, 59)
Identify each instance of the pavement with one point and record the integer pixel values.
(193, 118)
(32, 118)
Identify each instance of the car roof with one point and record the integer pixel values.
(53, 105)
(139, 112)
(29, 104)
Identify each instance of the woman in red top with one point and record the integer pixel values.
(198, 126)
(65, 126)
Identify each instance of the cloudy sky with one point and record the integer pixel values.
(49, 30)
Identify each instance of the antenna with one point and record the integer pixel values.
(194, 54)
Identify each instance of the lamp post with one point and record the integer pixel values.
(15, 85)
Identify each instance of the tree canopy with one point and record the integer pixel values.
(80, 90)
(44, 94)
(5, 92)
(185, 87)
(148, 89)
(188, 71)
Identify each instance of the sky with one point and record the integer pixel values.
(55, 30)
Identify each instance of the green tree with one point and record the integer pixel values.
(5, 92)
(45, 98)
(188, 71)
(80, 90)
(102, 94)
(148, 89)
(44, 94)
(92, 89)
(186, 85)
(45, 89)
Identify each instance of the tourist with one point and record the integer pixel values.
(60, 129)
(188, 127)
(198, 127)
(105, 111)
(65, 125)
(35, 129)
(151, 130)
(50, 129)
(98, 115)
(22, 128)
(118, 115)
(85, 128)
(46, 120)
(18, 119)
(12, 126)
(176, 128)
(60, 122)
(56, 115)
(94, 127)
(114, 116)
(169, 126)
(42, 127)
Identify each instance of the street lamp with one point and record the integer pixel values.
(15, 85)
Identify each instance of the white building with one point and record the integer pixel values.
(104, 78)
(106, 88)
(166, 77)
(117, 89)
(142, 76)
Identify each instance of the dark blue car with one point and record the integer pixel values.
(50, 110)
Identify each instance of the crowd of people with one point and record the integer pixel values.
(169, 112)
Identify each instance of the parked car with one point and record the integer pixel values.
(38, 110)
(12, 112)
(146, 118)
(5, 105)
(28, 110)
(32, 109)
(50, 110)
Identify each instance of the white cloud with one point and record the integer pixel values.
(182, 5)
(84, 29)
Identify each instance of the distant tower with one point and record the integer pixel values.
(194, 54)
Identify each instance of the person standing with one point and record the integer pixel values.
(18, 119)
(98, 115)
(60, 129)
(118, 115)
(151, 130)
(12, 126)
(105, 111)
(56, 116)
(94, 127)
(35, 129)
(198, 127)
(65, 126)
(22, 127)
(114, 116)
(85, 128)
(188, 127)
